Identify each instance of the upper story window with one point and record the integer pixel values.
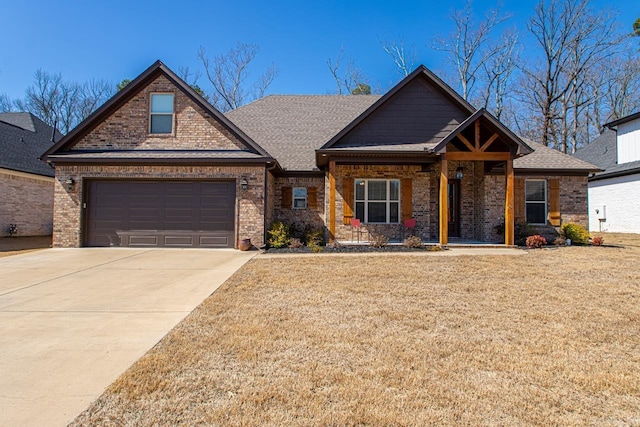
(377, 200)
(161, 113)
(299, 197)
(535, 198)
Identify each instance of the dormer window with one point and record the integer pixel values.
(161, 113)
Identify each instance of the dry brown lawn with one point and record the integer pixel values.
(549, 338)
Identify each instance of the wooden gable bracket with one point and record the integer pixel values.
(476, 147)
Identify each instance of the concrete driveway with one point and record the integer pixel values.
(73, 320)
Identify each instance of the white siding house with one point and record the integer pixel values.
(614, 193)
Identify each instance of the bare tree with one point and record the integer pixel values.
(404, 58)
(63, 104)
(572, 39)
(229, 73)
(498, 71)
(349, 79)
(469, 47)
(6, 104)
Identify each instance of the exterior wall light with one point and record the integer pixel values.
(69, 182)
(459, 172)
(244, 185)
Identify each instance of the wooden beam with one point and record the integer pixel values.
(463, 155)
(466, 142)
(444, 202)
(332, 201)
(509, 227)
(489, 141)
(477, 132)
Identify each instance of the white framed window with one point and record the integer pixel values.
(299, 197)
(535, 199)
(377, 200)
(161, 113)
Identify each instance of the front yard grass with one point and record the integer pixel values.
(549, 338)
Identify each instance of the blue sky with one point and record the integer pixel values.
(118, 39)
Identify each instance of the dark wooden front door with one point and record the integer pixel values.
(454, 207)
(147, 213)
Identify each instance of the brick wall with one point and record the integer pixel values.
(573, 202)
(301, 218)
(420, 198)
(250, 204)
(27, 201)
(128, 127)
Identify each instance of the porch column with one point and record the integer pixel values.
(508, 206)
(332, 201)
(444, 203)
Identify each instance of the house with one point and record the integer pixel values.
(26, 183)
(159, 166)
(614, 192)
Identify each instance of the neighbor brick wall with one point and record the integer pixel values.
(420, 197)
(311, 217)
(27, 201)
(128, 127)
(250, 204)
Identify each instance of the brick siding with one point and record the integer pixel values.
(26, 201)
(301, 218)
(128, 127)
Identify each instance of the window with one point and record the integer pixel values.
(535, 196)
(161, 113)
(299, 197)
(377, 200)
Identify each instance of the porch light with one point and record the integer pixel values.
(459, 172)
(244, 185)
(69, 182)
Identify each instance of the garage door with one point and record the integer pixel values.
(160, 213)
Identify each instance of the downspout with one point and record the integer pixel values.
(266, 197)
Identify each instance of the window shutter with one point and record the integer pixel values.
(312, 197)
(554, 202)
(287, 198)
(406, 191)
(518, 200)
(347, 200)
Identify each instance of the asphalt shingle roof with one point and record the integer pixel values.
(292, 127)
(548, 158)
(602, 153)
(23, 139)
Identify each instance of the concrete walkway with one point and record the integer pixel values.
(73, 320)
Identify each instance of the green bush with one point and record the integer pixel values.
(314, 237)
(521, 231)
(279, 235)
(577, 233)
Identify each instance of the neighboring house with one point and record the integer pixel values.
(614, 192)
(26, 183)
(158, 166)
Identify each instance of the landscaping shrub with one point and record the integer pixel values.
(536, 241)
(412, 242)
(295, 243)
(378, 240)
(314, 237)
(560, 241)
(597, 241)
(279, 235)
(577, 233)
(521, 231)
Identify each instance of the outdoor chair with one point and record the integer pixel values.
(356, 227)
(408, 227)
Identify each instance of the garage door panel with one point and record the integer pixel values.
(160, 213)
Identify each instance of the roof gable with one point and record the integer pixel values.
(421, 109)
(155, 72)
(491, 124)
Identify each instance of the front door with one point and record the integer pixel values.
(454, 208)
